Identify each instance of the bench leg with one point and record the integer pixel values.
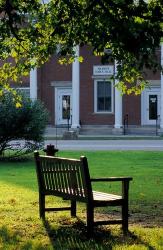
(42, 206)
(90, 220)
(125, 217)
(73, 208)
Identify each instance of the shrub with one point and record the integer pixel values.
(25, 123)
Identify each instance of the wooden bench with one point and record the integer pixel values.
(70, 179)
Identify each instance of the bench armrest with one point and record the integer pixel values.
(112, 179)
(125, 183)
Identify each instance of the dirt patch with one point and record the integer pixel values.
(145, 220)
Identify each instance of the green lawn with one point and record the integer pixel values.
(20, 227)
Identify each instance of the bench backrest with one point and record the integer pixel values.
(68, 178)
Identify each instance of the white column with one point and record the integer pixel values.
(33, 84)
(161, 112)
(75, 91)
(118, 105)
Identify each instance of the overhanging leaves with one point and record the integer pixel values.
(32, 30)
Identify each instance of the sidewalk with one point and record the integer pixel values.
(93, 145)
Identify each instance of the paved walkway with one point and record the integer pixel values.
(150, 145)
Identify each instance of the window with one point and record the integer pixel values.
(25, 91)
(103, 96)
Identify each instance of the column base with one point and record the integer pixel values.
(118, 126)
(75, 127)
(117, 131)
(160, 131)
(70, 135)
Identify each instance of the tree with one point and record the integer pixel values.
(27, 123)
(32, 30)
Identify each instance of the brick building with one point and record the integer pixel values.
(85, 93)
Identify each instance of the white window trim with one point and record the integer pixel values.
(144, 96)
(56, 91)
(23, 88)
(95, 96)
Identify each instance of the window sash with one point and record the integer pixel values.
(24, 90)
(103, 96)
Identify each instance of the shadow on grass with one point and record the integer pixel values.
(74, 237)
(71, 236)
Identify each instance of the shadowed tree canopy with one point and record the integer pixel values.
(128, 31)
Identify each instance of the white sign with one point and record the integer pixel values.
(103, 70)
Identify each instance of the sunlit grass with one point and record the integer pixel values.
(21, 228)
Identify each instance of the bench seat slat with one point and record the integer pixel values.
(100, 196)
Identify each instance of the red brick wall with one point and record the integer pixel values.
(87, 115)
(51, 71)
(132, 104)
(132, 107)
(149, 74)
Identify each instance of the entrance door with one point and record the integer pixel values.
(151, 106)
(63, 106)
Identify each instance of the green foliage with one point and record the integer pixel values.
(26, 121)
(32, 30)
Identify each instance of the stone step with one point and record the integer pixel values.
(151, 133)
(102, 130)
(141, 131)
(96, 130)
(55, 131)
